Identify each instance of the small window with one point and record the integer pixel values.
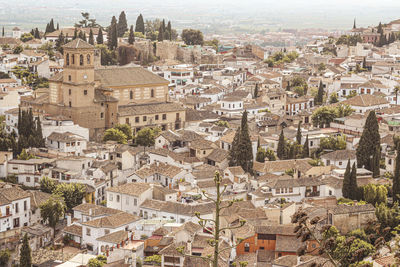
(156, 117)
(144, 118)
(88, 231)
(73, 59)
(28, 179)
(136, 119)
(88, 59)
(152, 92)
(69, 91)
(67, 57)
(118, 198)
(69, 78)
(85, 92)
(81, 60)
(131, 95)
(70, 104)
(164, 116)
(101, 115)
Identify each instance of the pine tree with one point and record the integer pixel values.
(122, 26)
(346, 187)
(306, 149)
(298, 135)
(353, 183)
(160, 37)
(169, 30)
(320, 95)
(139, 24)
(255, 95)
(25, 253)
(369, 141)
(131, 38)
(91, 38)
(396, 177)
(99, 39)
(281, 150)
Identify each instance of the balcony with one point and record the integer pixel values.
(312, 194)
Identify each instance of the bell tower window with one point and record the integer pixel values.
(152, 92)
(73, 59)
(67, 58)
(81, 60)
(88, 59)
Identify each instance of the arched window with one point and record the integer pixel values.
(152, 92)
(73, 59)
(81, 60)
(131, 95)
(67, 59)
(88, 59)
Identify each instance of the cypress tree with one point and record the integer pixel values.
(375, 162)
(320, 95)
(113, 34)
(47, 28)
(122, 24)
(25, 252)
(39, 134)
(91, 38)
(260, 157)
(19, 126)
(233, 152)
(353, 183)
(281, 146)
(369, 141)
(60, 42)
(51, 26)
(33, 32)
(380, 30)
(58, 26)
(245, 148)
(169, 30)
(298, 135)
(37, 34)
(396, 177)
(2, 32)
(160, 37)
(306, 149)
(255, 95)
(75, 34)
(139, 24)
(346, 187)
(84, 37)
(131, 38)
(99, 39)
(354, 25)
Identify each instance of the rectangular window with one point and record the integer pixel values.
(144, 118)
(69, 91)
(88, 231)
(25, 205)
(85, 92)
(127, 121)
(135, 201)
(69, 77)
(28, 179)
(101, 115)
(164, 116)
(16, 208)
(156, 117)
(70, 104)
(117, 198)
(136, 119)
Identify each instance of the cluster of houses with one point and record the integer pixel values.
(143, 201)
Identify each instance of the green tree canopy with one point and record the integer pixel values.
(126, 129)
(115, 135)
(146, 136)
(192, 37)
(72, 193)
(47, 185)
(52, 210)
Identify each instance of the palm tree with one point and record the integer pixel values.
(396, 91)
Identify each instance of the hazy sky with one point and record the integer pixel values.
(332, 14)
